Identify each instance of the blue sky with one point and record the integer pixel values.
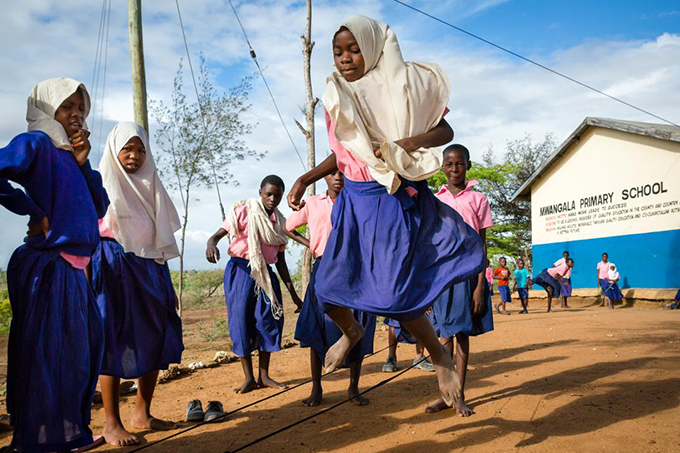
(630, 49)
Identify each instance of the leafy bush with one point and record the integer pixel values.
(5, 315)
(202, 289)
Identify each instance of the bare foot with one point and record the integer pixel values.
(437, 406)
(248, 386)
(146, 421)
(549, 311)
(266, 381)
(314, 398)
(357, 399)
(337, 353)
(119, 436)
(449, 382)
(463, 409)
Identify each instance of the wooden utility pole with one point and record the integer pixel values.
(307, 46)
(137, 60)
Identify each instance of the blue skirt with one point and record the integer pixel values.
(453, 311)
(251, 323)
(611, 290)
(403, 335)
(55, 351)
(566, 287)
(546, 280)
(316, 330)
(506, 295)
(393, 255)
(136, 299)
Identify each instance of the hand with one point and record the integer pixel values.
(407, 144)
(298, 303)
(478, 301)
(212, 253)
(295, 195)
(38, 228)
(378, 153)
(598, 282)
(81, 146)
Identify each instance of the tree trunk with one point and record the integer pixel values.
(311, 101)
(185, 222)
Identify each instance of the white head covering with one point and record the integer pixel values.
(141, 214)
(393, 100)
(43, 102)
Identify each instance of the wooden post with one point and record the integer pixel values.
(308, 132)
(137, 60)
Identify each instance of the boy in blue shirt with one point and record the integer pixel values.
(522, 282)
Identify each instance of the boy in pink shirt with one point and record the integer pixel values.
(551, 279)
(314, 328)
(465, 309)
(256, 229)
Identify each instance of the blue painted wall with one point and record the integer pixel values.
(649, 260)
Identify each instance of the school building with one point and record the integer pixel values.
(613, 186)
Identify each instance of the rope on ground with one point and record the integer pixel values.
(330, 408)
(253, 55)
(528, 60)
(206, 138)
(254, 403)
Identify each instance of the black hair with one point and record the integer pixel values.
(274, 181)
(570, 259)
(520, 260)
(458, 147)
(566, 251)
(605, 253)
(502, 258)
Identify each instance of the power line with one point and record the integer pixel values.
(528, 60)
(253, 55)
(106, 58)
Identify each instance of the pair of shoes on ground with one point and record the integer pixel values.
(390, 365)
(213, 411)
(523, 312)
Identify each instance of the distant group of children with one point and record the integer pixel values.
(91, 291)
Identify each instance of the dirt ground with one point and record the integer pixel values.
(583, 379)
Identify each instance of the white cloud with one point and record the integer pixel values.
(494, 97)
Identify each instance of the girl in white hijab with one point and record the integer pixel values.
(142, 330)
(394, 248)
(55, 344)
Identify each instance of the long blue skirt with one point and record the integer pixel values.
(403, 335)
(136, 299)
(251, 323)
(546, 280)
(566, 287)
(453, 311)
(611, 290)
(393, 255)
(316, 330)
(55, 351)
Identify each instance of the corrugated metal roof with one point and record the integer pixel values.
(660, 131)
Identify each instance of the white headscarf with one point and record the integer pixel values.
(141, 214)
(393, 100)
(260, 227)
(43, 102)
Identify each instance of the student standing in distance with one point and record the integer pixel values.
(315, 329)
(489, 276)
(502, 274)
(565, 292)
(551, 279)
(399, 334)
(465, 309)
(130, 276)
(611, 288)
(393, 248)
(522, 284)
(56, 340)
(602, 274)
(251, 289)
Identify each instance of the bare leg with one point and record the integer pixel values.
(114, 432)
(263, 379)
(353, 389)
(315, 398)
(142, 418)
(550, 296)
(419, 351)
(440, 405)
(611, 303)
(352, 332)
(449, 382)
(525, 305)
(392, 342)
(249, 383)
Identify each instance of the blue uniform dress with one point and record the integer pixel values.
(136, 299)
(545, 280)
(316, 330)
(56, 338)
(611, 290)
(394, 255)
(252, 325)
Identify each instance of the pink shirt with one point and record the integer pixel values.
(239, 245)
(561, 269)
(77, 262)
(489, 275)
(561, 261)
(603, 269)
(472, 206)
(316, 214)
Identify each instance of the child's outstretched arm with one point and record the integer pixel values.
(297, 237)
(282, 268)
(212, 253)
(439, 135)
(325, 168)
